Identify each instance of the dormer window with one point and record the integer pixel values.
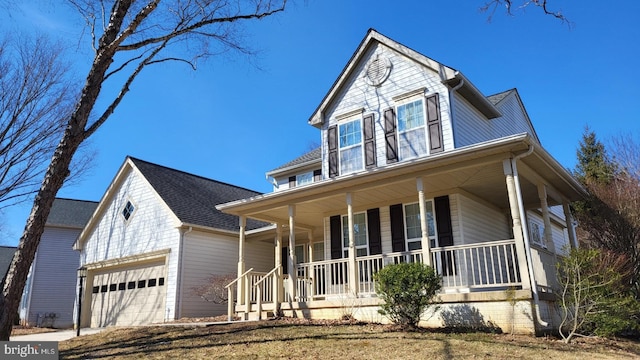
(305, 178)
(127, 211)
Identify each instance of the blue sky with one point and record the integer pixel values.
(235, 118)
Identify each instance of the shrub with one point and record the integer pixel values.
(407, 290)
(593, 298)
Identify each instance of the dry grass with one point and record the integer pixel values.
(27, 330)
(328, 340)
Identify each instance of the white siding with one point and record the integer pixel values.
(151, 227)
(471, 127)
(205, 255)
(480, 222)
(54, 279)
(406, 76)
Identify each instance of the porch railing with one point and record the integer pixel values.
(477, 266)
(481, 266)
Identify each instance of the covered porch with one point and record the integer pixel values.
(509, 177)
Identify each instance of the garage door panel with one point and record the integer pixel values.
(130, 296)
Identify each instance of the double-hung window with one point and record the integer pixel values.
(350, 140)
(359, 234)
(305, 178)
(413, 227)
(411, 130)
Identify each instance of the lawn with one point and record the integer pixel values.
(329, 340)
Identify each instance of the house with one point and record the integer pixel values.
(416, 165)
(153, 238)
(6, 256)
(50, 289)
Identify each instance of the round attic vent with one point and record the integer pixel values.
(378, 71)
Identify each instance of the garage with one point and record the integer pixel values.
(132, 295)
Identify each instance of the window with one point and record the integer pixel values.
(160, 281)
(537, 234)
(96, 289)
(359, 234)
(152, 283)
(350, 140)
(318, 251)
(142, 284)
(131, 285)
(128, 210)
(299, 254)
(113, 287)
(306, 178)
(103, 288)
(413, 228)
(122, 286)
(411, 130)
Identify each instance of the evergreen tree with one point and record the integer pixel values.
(594, 164)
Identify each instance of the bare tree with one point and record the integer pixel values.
(127, 36)
(512, 6)
(213, 288)
(35, 100)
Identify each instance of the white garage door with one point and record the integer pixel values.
(131, 296)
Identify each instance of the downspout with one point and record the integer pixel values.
(178, 312)
(451, 106)
(525, 235)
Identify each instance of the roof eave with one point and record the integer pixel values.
(473, 95)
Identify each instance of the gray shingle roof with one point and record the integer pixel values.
(71, 213)
(193, 198)
(496, 98)
(313, 155)
(6, 255)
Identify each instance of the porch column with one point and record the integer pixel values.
(571, 229)
(426, 244)
(310, 274)
(291, 261)
(353, 269)
(278, 288)
(240, 282)
(518, 234)
(544, 206)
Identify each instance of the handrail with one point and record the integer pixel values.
(266, 275)
(474, 245)
(238, 278)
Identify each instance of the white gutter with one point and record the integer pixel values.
(525, 235)
(178, 309)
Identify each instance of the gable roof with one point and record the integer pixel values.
(6, 256)
(193, 198)
(309, 158)
(71, 213)
(496, 98)
(448, 76)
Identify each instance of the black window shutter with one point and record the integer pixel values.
(373, 225)
(445, 232)
(317, 175)
(397, 228)
(292, 181)
(434, 124)
(285, 260)
(390, 135)
(332, 142)
(369, 141)
(336, 236)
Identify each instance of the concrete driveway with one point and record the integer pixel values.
(60, 335)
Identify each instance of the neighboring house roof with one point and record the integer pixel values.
(496, 98)
(311, 157)
(448, 75)
(71, 213)
(193, 198)
(6, 255)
